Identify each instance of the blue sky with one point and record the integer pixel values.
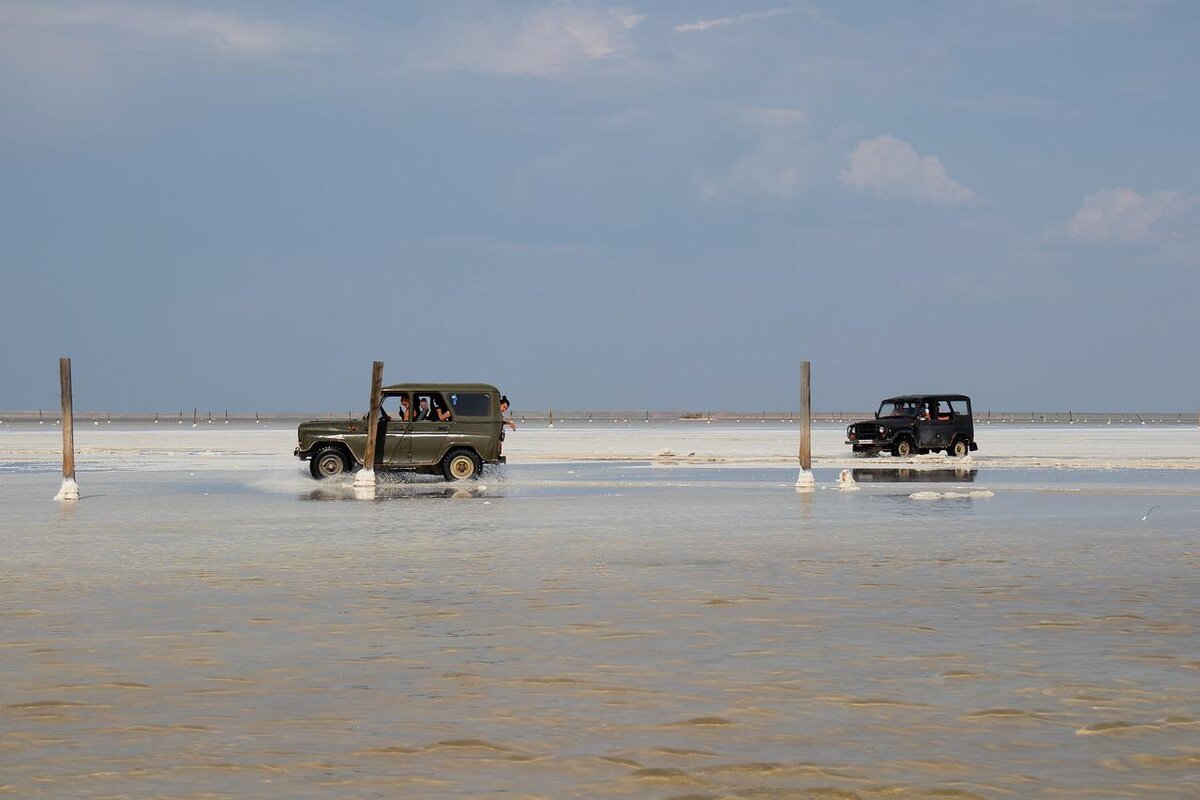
(661, 205)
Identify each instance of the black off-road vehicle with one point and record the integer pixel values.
(917, 423)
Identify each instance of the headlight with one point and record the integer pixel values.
(881, 429)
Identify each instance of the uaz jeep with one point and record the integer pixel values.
(917, 423)
(448, 428)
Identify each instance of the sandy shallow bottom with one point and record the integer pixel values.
(584, 629)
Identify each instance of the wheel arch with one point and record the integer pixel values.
(339, 444)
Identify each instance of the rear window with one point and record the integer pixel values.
(471, 404)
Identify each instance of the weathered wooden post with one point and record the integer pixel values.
(805, 481)
(69, 489)
(366, 476)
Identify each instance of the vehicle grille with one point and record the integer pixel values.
(864, 430)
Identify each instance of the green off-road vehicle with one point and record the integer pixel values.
(447, 428)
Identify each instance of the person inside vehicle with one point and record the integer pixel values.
(440, 413)
(422, 410)
(505, 417)
(926, 412)
(403, 411)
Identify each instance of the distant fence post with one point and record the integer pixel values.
(805, 481)
(366, 477)
(69, 489)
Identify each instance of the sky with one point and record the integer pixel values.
(665, 205)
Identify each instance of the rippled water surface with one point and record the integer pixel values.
(600, 630)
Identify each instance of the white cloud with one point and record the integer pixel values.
(776, 167)
(720, 22)
(1123, 216)
(545, 42)
(890, 167)
(217, 31)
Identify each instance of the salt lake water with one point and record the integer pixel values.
(601, 619)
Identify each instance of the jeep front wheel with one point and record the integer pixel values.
(328, 462)
(903, 447)
(461, 465)
(960, 448)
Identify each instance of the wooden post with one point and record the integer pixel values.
(366, 476)
(805, 480)
(69, 489)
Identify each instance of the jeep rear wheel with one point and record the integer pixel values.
(960, 448)
(903, 447)
(461, 465)
(328, 462)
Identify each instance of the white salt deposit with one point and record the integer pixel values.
(805, 481)
(68, 491)
(146, 447)
(952, 495)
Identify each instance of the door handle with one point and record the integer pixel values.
(443, 427)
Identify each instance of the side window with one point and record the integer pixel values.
(957, 407)
(471, 404)
(391, 406)
(422, 407)
(439, 410)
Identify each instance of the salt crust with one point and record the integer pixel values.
(68, 491)
(951, 495)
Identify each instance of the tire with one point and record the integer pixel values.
(461, 465)
(328, 462)
(960, 448)
(903, 447)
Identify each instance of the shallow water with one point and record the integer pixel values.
(593, 629)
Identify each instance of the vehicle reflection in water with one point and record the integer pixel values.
(400, 491)
(909, 475)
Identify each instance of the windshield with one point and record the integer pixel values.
(897, 408)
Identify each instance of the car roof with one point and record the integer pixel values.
(912, 398)
(441, 387)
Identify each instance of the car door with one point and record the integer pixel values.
(942, 423)
(395, 433)
(960, 421)
(429, 436)
(927, 430)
